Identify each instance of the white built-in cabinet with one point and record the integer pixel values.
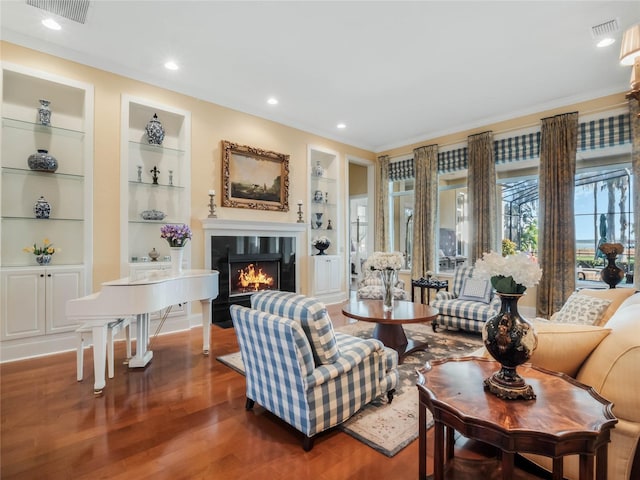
(325, 207)
(36, 300)
(34, 297)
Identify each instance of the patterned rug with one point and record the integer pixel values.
(388, 428)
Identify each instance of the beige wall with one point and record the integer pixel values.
(210, 124)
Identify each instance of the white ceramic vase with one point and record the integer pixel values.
(176, 260)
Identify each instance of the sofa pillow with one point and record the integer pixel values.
(616, 295)
(612, 369)
(582, 309)
(563, 347)
(476, 290)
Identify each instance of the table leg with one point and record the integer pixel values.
(601, 463)
(586, 467)
(438, 451)
(557, 468)
(393, 336)
(422, 441)
(206, 325)
(507, 465)
(99, 336)
(450, 442)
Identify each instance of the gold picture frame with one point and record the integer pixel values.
(254, 178)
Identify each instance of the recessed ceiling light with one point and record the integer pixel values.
(272, 101)
(341, 125)
(51, 23)
(605, 42)
(171, 65)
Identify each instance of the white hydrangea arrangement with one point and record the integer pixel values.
(508, 274)
(322, 240)
(385, 261)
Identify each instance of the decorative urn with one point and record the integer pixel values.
(155, 131)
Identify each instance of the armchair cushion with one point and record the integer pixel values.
(310, 313)
(476, 290)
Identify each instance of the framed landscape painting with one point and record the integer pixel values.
(254, 178)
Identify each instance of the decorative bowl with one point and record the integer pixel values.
(152, 215)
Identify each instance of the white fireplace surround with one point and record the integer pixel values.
(218, 227)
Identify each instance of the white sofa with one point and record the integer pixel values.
(605, 356)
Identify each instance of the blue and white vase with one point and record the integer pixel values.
(44, 113)
(42, 161)
(155, 131)
(42, 209)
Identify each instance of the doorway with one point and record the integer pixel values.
(361, 222)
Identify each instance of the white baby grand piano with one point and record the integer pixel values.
(125, 297)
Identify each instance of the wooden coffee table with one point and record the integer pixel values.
(566, 418)
(389, 324)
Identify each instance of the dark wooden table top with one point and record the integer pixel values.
(565, 416)
(403, 312)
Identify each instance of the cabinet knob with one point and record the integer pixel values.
(48, 275)
(41, 275)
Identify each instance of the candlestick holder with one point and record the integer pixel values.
(212, 206)
(300, 220)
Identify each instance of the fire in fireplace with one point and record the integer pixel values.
(252, 277)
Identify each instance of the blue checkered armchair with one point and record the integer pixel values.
(469, 315)
(302, 371)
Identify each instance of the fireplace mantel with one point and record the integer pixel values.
(219, 227)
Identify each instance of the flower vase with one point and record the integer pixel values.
(177, 254)
(388, 282)
(322, 246)
(511, 340)
(43, 259)
(612, 275)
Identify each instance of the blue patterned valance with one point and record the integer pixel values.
(401, 170)
(605, 132)
(592, 135)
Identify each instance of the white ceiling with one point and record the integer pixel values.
(394, 72)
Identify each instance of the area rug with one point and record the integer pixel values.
(388, 428)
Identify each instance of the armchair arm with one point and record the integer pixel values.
(351, 356)
(444, 295)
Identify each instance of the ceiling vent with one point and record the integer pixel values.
(75, 10)
(606, 29)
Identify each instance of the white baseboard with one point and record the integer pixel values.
(34, 347)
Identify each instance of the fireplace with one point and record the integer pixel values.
(250, 275)
(245, 254)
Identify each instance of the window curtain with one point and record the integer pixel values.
(634, 111)
(381, 240)
(557, 238)
(481, 186)
(425, 210)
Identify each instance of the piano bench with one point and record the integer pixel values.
(113, 328)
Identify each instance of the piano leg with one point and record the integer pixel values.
(206, 325)
(142, 356)
(99, 334)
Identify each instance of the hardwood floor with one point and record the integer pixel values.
(182, 417)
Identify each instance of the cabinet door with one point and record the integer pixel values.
(61, 285)
(327, 274)
(23, 303)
